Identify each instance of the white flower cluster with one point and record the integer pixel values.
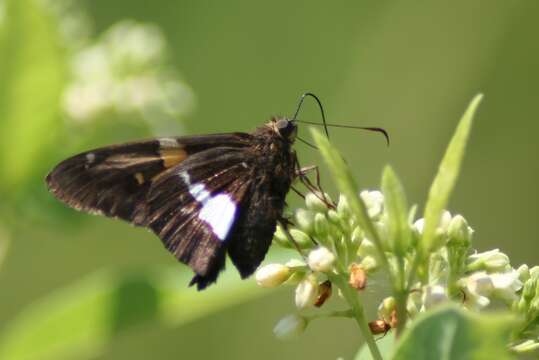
(125, 72)
(332, 242)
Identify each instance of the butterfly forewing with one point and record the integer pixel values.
(114, 180)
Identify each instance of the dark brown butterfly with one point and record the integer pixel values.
(204, 196)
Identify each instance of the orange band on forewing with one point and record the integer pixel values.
(172, 156)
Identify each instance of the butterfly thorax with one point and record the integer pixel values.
(275, 155)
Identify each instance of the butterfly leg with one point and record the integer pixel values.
(302, 172)
(284, 225)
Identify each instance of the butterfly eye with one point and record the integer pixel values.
(286, 129)
(282, 124)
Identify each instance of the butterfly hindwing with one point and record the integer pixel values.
(194, 207)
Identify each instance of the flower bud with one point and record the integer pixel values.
(290, 327)
(305, 220)
(314, 203)
(334, 217)
(279, 237)
(529, 290)
(492, 260)
(386, 308)
(523, 273)
(324, 293)
(306, 292)
(342, 207)
(321, 226)
(369, 263)
(272, 275)
(460, 234)
(358, 277)
(303, 240)
(534, 272)
(321, 259)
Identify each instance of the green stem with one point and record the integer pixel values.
(358, 313)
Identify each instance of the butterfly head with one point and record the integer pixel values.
(284, 128)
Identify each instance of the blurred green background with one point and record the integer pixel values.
(410, 67)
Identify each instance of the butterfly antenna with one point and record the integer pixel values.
(367, 128)
(300, 103)
(307, 143)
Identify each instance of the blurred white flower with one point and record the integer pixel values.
(272, 275)
(125, 72)
(492, 260)
(290, 326)
(374, 200)
(434, 295)
(321, 259)
(306, 292)
(506, 285)
(419, 225)
(478, 288)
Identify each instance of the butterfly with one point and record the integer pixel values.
(204, 196)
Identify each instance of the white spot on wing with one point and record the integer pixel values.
(90, 157)
(186, 178)
(168, 142)
(219, 211)
(199, 192)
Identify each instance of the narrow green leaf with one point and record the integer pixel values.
(80, 320)
(347, 186)
(447, 175)
(451, 333)
(397, 208)
(385, 344)
(32, 74)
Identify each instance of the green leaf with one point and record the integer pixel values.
(385, 345)
(32, 74)
(397, 208)
(446, 177)
(451, 333)
(80, 320)
(347, 186)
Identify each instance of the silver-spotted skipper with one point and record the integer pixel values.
(204, 196)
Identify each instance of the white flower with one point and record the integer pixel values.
(374, 201)
(492, 260)
(419, 225)
(478, 288)
(290, 326)
(306, 292)
(272, 275)
(433, 295)
(506, 285)
(321, 259)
